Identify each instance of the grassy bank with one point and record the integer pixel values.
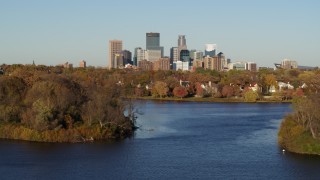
(294, 138)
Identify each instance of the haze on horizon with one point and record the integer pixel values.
(54, 32)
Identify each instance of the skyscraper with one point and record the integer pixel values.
(173, 54)
(115, 48)
(141, 55)
(153, 42)
(127, 57)
(135, 56)
(211, 50)
(182, 44)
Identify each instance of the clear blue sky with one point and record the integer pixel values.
(53, 32)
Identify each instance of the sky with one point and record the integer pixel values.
(54, 32)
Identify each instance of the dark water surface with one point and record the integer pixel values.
(175, 141)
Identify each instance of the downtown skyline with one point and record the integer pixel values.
(51, 33)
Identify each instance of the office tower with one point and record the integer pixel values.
(153, 55)
(153, 42)
(173, 55)
(135, 56)
(115, 47)
(192, 54)
(185, 55)
(182, 44)
(162, 64)
(83, 64)
(211, 50)
(127, 57)
(221, 62)
(141, 55)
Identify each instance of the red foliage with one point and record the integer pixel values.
(227, 91)
(299, 92)
(180, 92)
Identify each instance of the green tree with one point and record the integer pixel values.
(251, 96)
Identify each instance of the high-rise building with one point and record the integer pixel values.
(182, 44)
(173, 54)
(221, 62)
(153, 42)
(185, 55)
(115, 47)
(208, 63)
(196, 55)
(127, 57)
(153, 55)
(135, 59)
(83, 64)
(211, 50)
(141, 55)
(162, 64)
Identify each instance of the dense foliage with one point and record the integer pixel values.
(39, 104)
(300, 131)
(43, 103)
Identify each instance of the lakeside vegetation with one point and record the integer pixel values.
(300, 131)
(56, 104)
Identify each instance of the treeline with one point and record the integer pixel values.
(58, 104)
(61, 105)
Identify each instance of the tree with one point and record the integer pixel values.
(12, 93)
(160, 89)
(250, 96)
(199, 90)
(227, 91)
(306, 113)
(270, 80)
(180, 92)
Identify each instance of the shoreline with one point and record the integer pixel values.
(214, 100)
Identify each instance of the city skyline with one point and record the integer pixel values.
(52, 33)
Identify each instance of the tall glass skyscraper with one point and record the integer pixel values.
(153, 42)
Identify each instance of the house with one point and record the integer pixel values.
(281, 86)
(254, 87)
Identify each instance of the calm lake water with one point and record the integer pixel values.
(176, 141)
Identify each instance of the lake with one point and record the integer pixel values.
(176, 140)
